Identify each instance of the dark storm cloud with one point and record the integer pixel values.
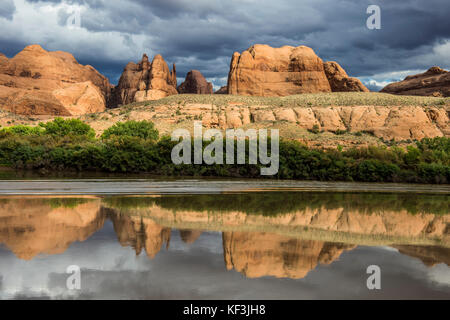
(7, 9)
(203, 34)
(10, 47)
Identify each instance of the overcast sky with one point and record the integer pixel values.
(203, 34)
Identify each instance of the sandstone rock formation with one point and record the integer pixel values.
(434, 82)
(39, 82)
(340, 81)
(195, 83)
(222, 90)
(265, 71)
(145, 81)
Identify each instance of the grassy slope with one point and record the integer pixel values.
(303, 100)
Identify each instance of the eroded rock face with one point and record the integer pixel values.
(39, 82)
(340, 81)
(195, 83)
(145, 81)
(265, 71)
(434, 82)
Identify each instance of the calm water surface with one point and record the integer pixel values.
(219, 239)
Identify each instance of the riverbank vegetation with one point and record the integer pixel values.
(135, 146)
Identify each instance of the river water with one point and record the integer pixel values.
(222, 239)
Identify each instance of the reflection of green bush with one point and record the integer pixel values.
(69, 203)
(128, 202)
(133, 147)
(275, 203)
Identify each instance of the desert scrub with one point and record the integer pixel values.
(340, 132)
(315, 129)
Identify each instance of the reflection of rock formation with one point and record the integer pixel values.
(32, 226)
(263, 254)
(430, 256)
(344, 225)
(288, 245)
(190, 236)
(140, 233)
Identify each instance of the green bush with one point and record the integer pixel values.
(340, 132)
(68, 127)
(374, 170)
(23, 130)
(142, 129)
(315, 129)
